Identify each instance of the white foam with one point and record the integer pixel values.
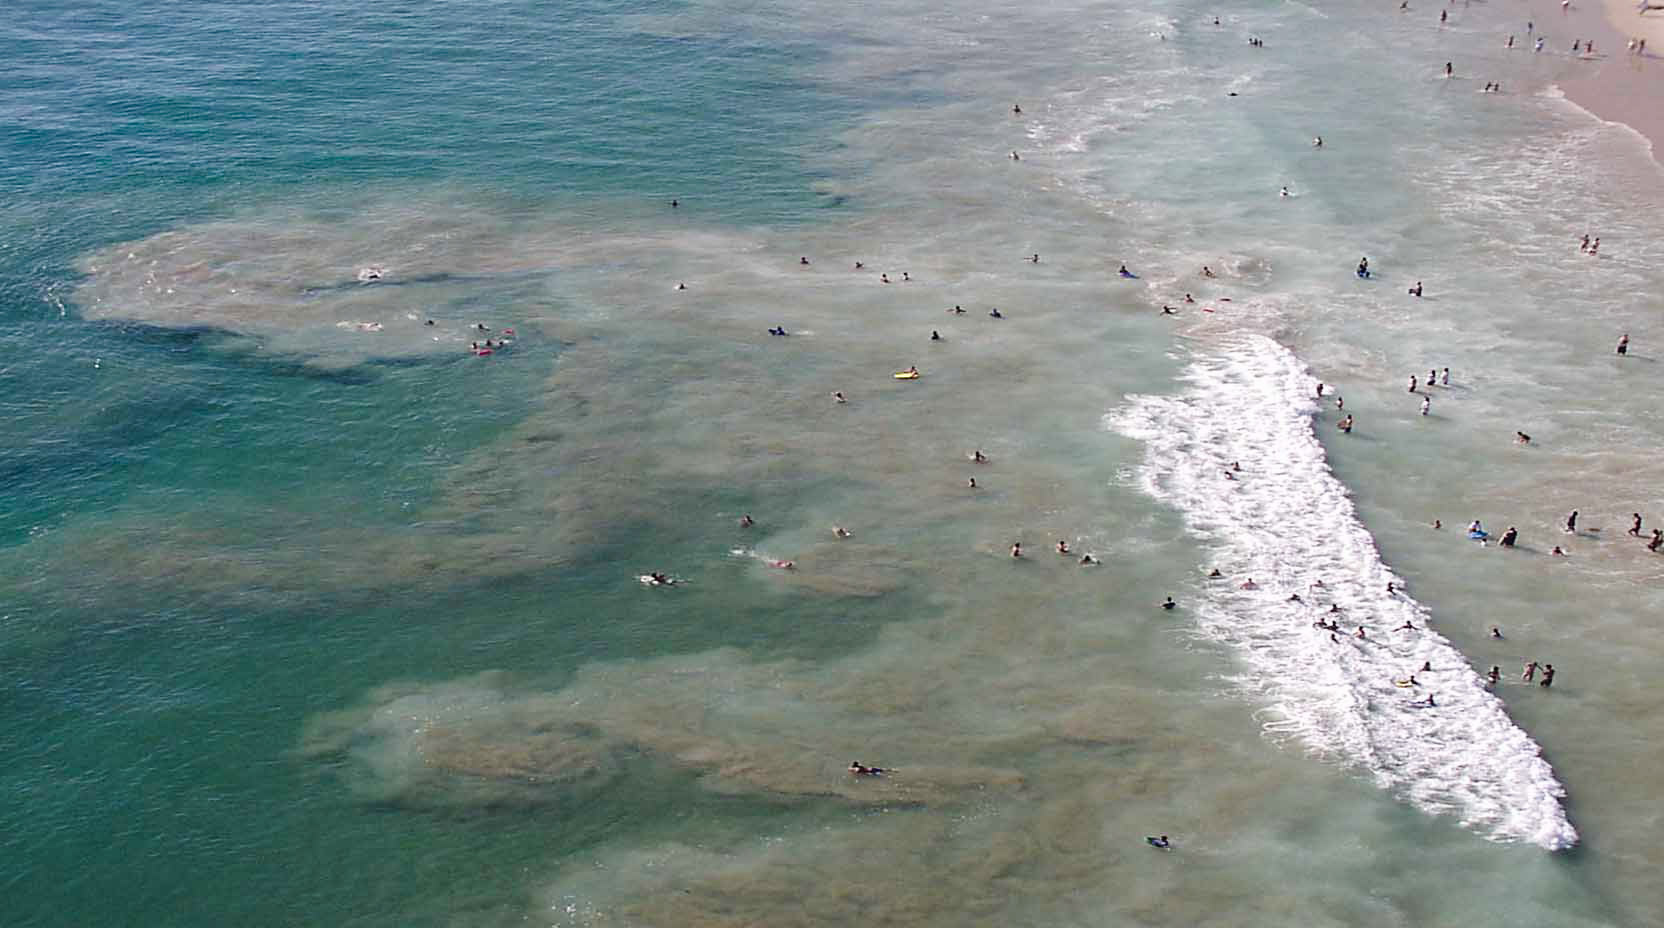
(1287, 522)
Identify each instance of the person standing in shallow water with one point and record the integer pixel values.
(1623, 344)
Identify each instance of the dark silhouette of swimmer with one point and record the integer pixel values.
(675, 203)
(429, 322)
(1168, 310)
(1016, 109)
(995, 312)
(1416, 291)
(804, 261)
(1571, 523)
(1214, 574)
(935, 336)
(1168, 603)
(1548, 676)
(862, 770)
(1161, 842)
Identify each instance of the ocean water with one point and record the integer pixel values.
(313, 615)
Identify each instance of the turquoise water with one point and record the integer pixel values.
(314, 615)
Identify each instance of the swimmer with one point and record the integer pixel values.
(1188, 299)
(1437, 525)
(971, 483)
(1449, 70)
(1160, 842)
(1520, 438)
(681, 286)
(1529, 673)
(1444, 379)
(1557, 552)
(1571, 523)
(1168, 310)
(935, 336)
(1317, 142)
(1496, 632)
(957, 310)
(979, 457)
(783, 565)
(747, 521)
(1236, 466)
(1635, 524)
(1124, 272)
(1320, 389)
(1283, 192)
(995, 312)
(1340, 402)
(1360, 633)
(1416, 291)
(1548, 676)
(1623, 344)
(1016, 549)
(803, 262)
(1249, 584)
(1062, 546)
(1295, 598)
(838, 396)
(1426, 667)
(1015, 157)
(675, 204)
(481, 327)
(1494, 677)
(429, 322)
(1207, 271)
(1016, 109)
(1406, 627)
(1334, 607)
(905, 277)
(1345, 425)
(1086, 559)
(840, 531)
(1657, 539)
(1214, 574)
(1034, 259)
(1412, 383)
(1432, 375)
(884, 277)
(1229, 475)
(1168, 603)
(1426, 404)
(860, 265)
(1390, 588)
(862, 770)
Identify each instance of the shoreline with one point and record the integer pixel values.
(1621, 86)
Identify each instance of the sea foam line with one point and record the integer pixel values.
(1286, 522)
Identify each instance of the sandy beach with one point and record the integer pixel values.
(1619, 85)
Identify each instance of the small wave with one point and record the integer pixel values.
(1286, 522)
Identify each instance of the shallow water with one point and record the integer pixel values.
(302, 588)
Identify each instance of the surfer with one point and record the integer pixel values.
(1437, 524)
(862, 770)
(1161, 842)
(1168, 604)
(1406, 627)
(1416, 291)
(1428, 702)
(1449, 69)
(1124, 272)
(1214, 574)
(1360, 633)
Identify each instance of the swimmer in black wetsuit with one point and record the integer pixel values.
(1168, 603)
